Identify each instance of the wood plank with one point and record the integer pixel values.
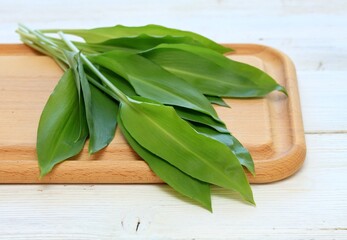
(311, 204)
(324, 101)
(271, 127)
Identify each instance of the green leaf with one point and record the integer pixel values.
(178, 180)
(119, 82)
(184, 113)
(212, 73)
(101, 111)
(218, 101)
(116, 80)
(229, 140)
(144, 41)
(202, 118)
(92, 48)
(161, 131)
(62, 129)
(104, 111)
(151, 81)
(148, 35)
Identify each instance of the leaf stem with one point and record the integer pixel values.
(121, 96)
(42, 44)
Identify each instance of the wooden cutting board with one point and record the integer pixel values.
(271, 128)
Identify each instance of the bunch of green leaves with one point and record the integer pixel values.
(158, 85)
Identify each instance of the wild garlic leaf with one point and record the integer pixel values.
(220, 133)
(126, 88)
(101, 111)
(212, 73)
(178, 180)
(202, 118)
(161, 131)
(104, 110)
(217, 100)
(63, 128)
(229, 140)
(144, 41)
(116, 80)
(121, 83)
(155, 32)
(151, 81)
(184, 113)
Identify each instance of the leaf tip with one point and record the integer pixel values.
(207, 205)
(253, 203)
(43, 172)
(282, 89)
(91, 150)
(228, 49)
(247, 195)
(250, 199)
(251, 169)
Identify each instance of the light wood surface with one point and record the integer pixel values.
(309, 205)
(271, 128)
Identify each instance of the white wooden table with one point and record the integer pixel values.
(310, 205)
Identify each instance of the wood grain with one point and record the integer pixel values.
(271, 128)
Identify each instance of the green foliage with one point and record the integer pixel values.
(143, 37)
(63, 127)
(177, 179)
(212, 73)
(158, 84)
